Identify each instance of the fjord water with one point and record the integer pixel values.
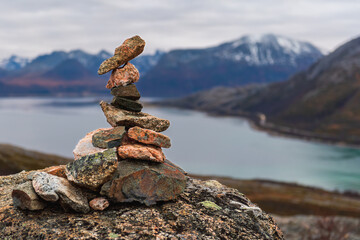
(201, 144)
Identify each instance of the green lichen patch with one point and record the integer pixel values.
(211, 205)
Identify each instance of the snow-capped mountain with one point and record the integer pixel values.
(247, 60)
(13, 63)
(268, 49)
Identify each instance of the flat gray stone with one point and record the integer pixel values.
(25, 197)
(108, 138)
(118, 117)
(52, 188)
(129, 92)
(127, 104)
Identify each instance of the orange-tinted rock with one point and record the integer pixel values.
(123, 76)
(118, 117)
(141, 152)
(85, 146)
(56, 170)
(131, 48)
(99, 204)
(145, 182)
(147, 136)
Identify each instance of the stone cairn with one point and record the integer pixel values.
(123, 163)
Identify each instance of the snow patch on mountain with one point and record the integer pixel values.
(13, 63)
(267, 49)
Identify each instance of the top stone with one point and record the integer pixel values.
(130, 49)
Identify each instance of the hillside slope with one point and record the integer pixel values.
(323, 100)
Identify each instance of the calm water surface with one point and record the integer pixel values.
(201, 144)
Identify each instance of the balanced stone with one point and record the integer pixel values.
(130, 49)
(141, 152)
(127, 104)
(147, 136)
(123, 76)
(145, 182)
(118, 117)
(108, 138)
(94, 170)
(85, 146)
(129, 92)
(52, 188)
(25, 197)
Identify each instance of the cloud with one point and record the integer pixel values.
(29, 28)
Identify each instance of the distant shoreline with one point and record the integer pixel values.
(257, 123)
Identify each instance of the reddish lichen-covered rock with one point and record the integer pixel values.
(129, 92)
(93, 170)
(131, 48)
(108, 138)
(25, 197)
(99, 204)
(118, 117)
(141, 152)
(52, 188)
(85, 146)
(147, 136)
(145, 182)
(123, 76)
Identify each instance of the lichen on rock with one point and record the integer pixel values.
(180, 219)
(92, 171)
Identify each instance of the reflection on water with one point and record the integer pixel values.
(200, 144)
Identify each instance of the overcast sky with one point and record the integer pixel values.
(32, 27)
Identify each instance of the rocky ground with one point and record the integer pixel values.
(205, 210)
(286, 201)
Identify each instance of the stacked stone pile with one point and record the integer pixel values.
(123, 163)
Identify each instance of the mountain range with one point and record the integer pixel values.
(322, 101)
(247, 60)
(61, 73)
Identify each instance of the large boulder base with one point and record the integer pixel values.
(185, 218)
(118, 117)
(94, 170)
(130, 49)
(145, 182)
